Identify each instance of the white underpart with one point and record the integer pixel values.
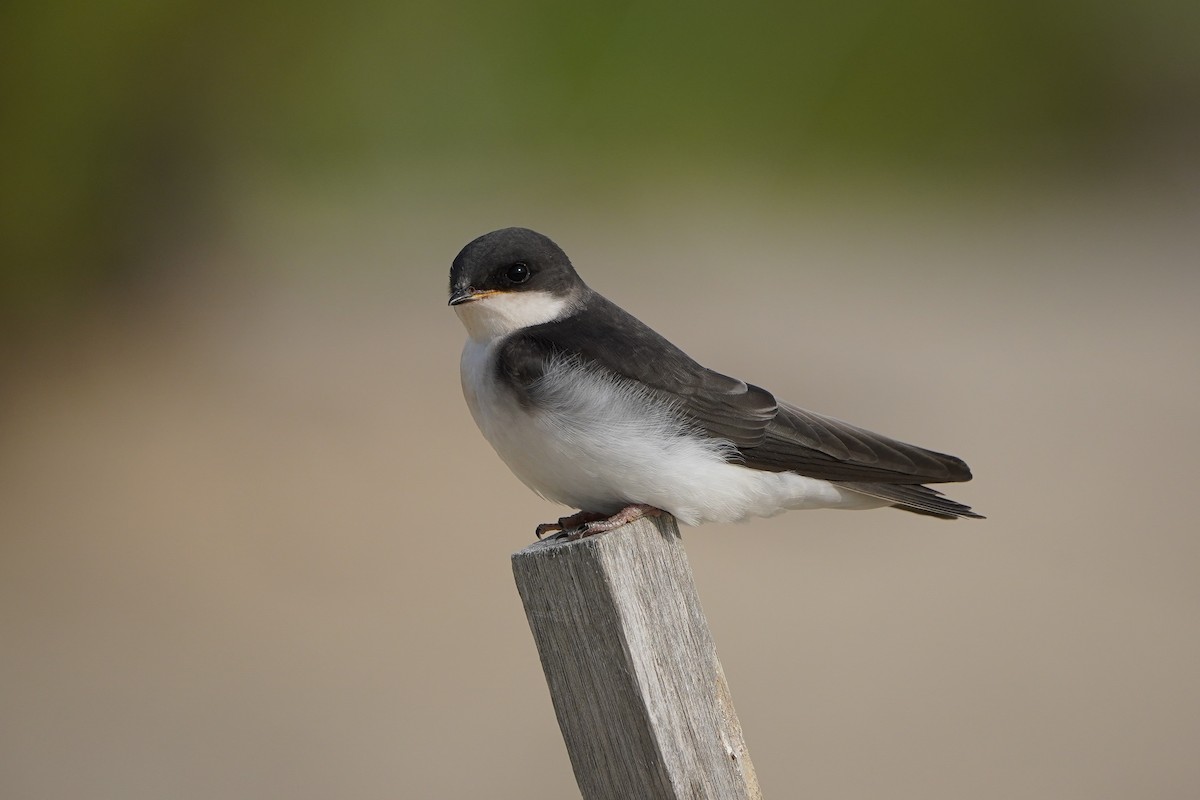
(600, 443)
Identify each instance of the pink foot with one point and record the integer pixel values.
(622, 517)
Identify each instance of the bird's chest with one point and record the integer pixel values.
(474, 367)
(566, 449)
(518, 433)
(497, 412)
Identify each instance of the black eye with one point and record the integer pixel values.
(518, 272)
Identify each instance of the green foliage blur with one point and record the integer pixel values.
(119, 118)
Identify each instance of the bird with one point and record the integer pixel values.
(592, 409)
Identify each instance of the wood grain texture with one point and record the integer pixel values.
(640, 696)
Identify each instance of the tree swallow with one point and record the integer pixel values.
(592, 409)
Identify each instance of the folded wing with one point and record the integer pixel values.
(768, 435)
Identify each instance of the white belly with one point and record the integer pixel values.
(598, 445)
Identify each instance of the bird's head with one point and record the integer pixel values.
(512, 279)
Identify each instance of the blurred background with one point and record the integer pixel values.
(251, 543)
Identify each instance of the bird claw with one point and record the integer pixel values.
(567, 525)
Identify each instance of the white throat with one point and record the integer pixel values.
(500, 314)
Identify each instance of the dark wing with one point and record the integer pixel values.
(768, 435)
(824, 447)
(603, 335)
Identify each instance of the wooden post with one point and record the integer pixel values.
(637, 688)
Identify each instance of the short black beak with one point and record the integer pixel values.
(462, 295)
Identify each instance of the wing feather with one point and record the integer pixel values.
(768, 435)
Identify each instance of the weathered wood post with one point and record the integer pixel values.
(637, 688)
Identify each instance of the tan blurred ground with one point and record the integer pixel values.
(253, 546)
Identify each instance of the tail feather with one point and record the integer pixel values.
(916, 498)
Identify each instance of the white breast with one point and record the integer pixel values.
(597, 443)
